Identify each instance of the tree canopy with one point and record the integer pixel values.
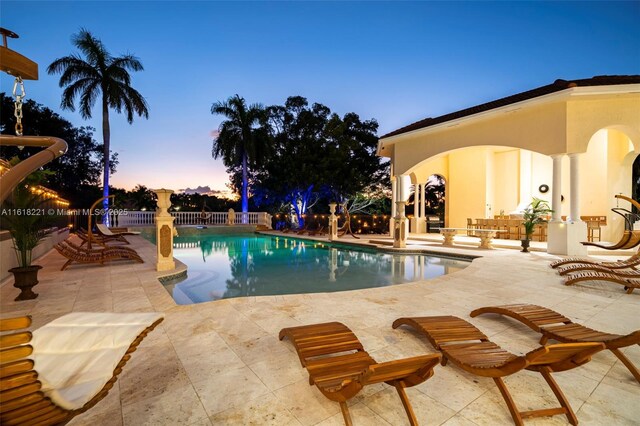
(76, 171)
(316, 155)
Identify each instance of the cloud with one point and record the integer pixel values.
(200, 190)
(206, 190)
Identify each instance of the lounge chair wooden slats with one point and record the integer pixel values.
(340, 367)
(14, 339)
(15, 367)
(321, 339)
(621, 264)
(75, 253)
(578, 267)
(468, 348)
(629, 283)
(22, 401)
(555, 326)
(106, 232)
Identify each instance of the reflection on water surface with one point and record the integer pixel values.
(224, 266)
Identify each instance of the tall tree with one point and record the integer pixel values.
(317, 155)
(241, 140)
(99, 75)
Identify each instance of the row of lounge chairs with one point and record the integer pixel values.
(320, 230)
(104, 235)
(340, 367)
(622, 272)
(79, 254)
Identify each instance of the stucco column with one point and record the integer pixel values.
(394, 195)
(333, 222)
(556, 189)
(164, 231)
(423, 204)
(574, 182)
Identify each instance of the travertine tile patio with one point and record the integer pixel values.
(221, 362)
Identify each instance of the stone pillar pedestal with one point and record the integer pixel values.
(400, 226)
(565, 237)
(231, 217)
(333, 222)
(164, 231)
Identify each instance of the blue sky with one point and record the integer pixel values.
(397, 62)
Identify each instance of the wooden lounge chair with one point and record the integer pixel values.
(553, 325)
(106, 232)
(98, 250)
(467, 347)
(67, 366)
(97, 238)
(303, 230)
(577, 267)
(318, 231)
(340, 367)
(79, 255)
(630, 262)
(630, 282)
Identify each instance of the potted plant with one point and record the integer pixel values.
(26, 225)
(535, 214)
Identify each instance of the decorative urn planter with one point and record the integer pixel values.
(525, 245)
(25, 278)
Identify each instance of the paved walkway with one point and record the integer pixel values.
(222, 363)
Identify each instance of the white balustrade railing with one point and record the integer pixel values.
(144, 218)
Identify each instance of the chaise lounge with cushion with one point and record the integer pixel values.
(67, 366)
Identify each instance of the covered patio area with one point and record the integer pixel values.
(571, 143)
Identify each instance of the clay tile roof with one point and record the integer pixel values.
(556, 86)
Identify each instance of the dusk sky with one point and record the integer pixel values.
(397, 62)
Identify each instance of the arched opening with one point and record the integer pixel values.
(427, 214)
(608, 169)
(435, 202)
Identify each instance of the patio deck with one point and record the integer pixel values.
(221, 362)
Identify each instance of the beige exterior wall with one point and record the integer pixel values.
(521, 128)
(587, 116)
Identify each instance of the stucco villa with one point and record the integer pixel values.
(572, 143)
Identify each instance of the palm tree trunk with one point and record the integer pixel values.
(245, 190)
(106, 138)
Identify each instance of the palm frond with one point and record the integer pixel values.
(71, 91)
(92, 48)
(127, 62)
(88, 98)
(79, 69)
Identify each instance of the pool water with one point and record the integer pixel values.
(225, 266)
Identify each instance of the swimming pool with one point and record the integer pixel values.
(226, 266)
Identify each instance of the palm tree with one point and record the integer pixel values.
(99, 73)
(240, 140)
